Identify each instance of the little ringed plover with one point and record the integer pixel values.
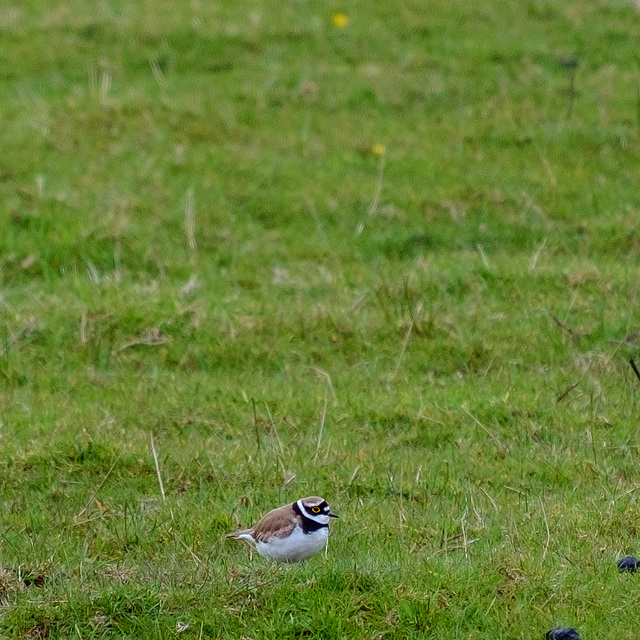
(291, 533)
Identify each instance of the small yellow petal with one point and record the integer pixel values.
(339, 20)
(378, 150)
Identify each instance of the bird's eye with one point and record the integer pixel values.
(315, 509)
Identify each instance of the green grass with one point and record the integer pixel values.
(201, 248)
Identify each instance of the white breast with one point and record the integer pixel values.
(296, 547)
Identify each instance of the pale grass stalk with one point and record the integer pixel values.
(488, 367)
(354, 475)
(93, 81)
(614, 352)
(117, 261)
(573, 301)
(547, 167)
(327, 377)
(624, 495)
(157, 464)
(483, 255)
(536, 255)
(93, 273)
(321, 429)
(501, 448)
(105, 86)
(158, 76)
(102, 483)
(377, 192)
(465, 544)
(275, 430)
(375, 201)
(190, 223)
(402, 350)
(491, 500)
(401, 515)
(546, 525)
(491, 605)
(191, 552)
(40, 180)
(477, 514)
(319, 226)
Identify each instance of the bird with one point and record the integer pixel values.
(629, 563)
(563, 633)
(291, 533)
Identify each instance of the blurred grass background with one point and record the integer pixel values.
(389, 257)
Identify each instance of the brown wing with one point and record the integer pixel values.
(278, 523)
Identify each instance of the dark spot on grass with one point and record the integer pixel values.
(37, 580)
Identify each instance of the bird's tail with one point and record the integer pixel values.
(243, 534)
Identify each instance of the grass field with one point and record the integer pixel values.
(387, 253)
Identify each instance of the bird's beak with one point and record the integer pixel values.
(333, 515)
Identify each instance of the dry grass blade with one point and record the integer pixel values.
(566, 392)
(99, 487)
(157, 465)
(321, 429)
(501, 448)
(405, 342)
(547, 541)
(190, 222)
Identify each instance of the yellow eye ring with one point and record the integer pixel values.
(315, 509)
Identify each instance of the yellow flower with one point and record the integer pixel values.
(339, 20)
(378, 150)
